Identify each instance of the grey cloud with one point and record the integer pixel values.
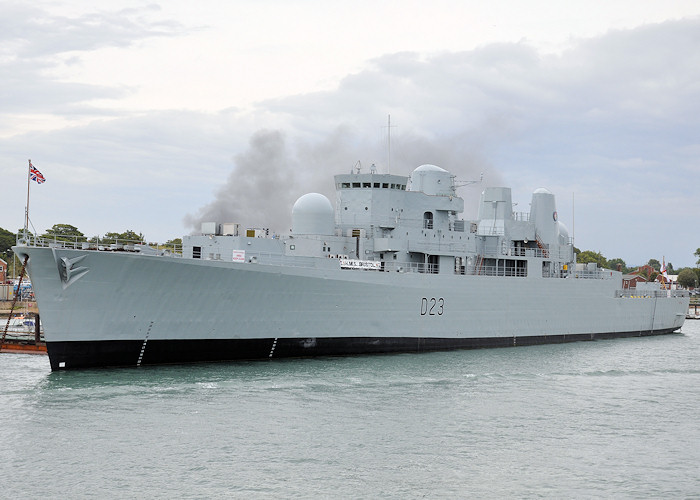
(634, 77)
(34, 33)
(33, 43)
(180, 147)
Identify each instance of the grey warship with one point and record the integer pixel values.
(393, 267)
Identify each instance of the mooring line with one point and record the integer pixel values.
(14, 300)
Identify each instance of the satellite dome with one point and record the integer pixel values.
(432, 180)
(427, 167)
(313, 214)
(563, 234)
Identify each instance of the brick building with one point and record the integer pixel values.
(3, 271)
(631, 280)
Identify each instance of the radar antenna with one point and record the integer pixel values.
(459, 184)
(388, 146)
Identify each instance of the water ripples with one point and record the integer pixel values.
(591, 419)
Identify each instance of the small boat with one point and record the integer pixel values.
(21, 323)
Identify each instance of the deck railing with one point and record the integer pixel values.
(639, 294)
(102, 244)
(312, 262)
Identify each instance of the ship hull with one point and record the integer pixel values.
(121, 308)
(97, 353)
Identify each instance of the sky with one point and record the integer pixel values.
(155, 117)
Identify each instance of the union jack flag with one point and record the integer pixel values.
(35, 175)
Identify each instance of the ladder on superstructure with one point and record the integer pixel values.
(542, 246)
(479, 263)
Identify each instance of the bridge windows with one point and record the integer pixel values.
(371, 185)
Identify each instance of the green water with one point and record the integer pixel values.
(613, 419)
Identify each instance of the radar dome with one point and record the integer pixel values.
(313, 214)
(432, 180)
(563, 234)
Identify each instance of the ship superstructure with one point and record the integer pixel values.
(407, 224)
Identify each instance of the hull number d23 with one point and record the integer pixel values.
(430, 306)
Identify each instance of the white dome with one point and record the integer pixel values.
(563, 234)
(313, 214)
(429, 168)
(431, 180)
(542, 191)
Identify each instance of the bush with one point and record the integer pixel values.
(687, 278)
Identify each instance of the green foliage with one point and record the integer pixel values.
(110, 238)
(64, 232)
(649, 271)
(695, 271)
(7, 239)
(588, 256)
(173, 246)
(687, 278)
(612, 264)
(697, 254)
(131, 236)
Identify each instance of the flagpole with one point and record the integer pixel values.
(26, 209)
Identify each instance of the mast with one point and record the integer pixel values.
(573, 220)
(26, 208)
(388, 160)
(388, 136)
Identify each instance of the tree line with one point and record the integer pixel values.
(688, 277)
(69, 233)
(66, 232)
